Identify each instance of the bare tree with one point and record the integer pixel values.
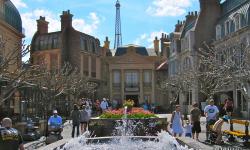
(179, 83)
(11, 72)
(223, 67)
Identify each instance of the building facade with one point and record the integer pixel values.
(232, 42)
(11, 34)
(222, 24)
(132, 75)
(54, 49)
(186, 39)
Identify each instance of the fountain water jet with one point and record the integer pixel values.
(126, 140)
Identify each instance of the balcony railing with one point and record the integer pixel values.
(132, 87)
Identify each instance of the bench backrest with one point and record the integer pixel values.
(242, 122)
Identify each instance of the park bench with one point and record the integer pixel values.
(238, 133)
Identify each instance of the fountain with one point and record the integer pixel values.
(124, 139)
(163, 141)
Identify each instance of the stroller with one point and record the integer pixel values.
(212, 135)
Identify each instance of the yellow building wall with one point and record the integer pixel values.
(10, 45)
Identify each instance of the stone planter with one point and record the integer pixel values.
(107, 127)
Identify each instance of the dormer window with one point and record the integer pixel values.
(93, 47)
(248, 14)
(237, 20)
(218, 32)
(54, 43)
(227, 27)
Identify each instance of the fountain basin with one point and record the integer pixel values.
(163, 141)
(105, 127)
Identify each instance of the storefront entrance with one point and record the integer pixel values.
(135, 98)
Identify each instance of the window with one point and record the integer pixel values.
(147, 77)
(248, 14)
(54, 43)
(227, 27)
(132, 79)
(116, 78)
(237, 22)
(232, 26)
(218, 32)
(41, 44)
(86, 65)
(84, 44)
(93, 47)
(93, 66)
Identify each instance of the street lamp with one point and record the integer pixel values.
(23, 108)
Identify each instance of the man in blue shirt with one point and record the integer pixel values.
(55, 122)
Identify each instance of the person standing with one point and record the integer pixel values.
(75, 115)
(10, 138)
(84, 118)
(188, 129)
(104, 105)
(177, 121)
(211, 113)
(195, 115)
(228, 107)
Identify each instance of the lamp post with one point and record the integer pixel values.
(23, 108)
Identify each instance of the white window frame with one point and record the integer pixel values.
(237, 20)
(227, 28)
(147, 76)
(218, 32)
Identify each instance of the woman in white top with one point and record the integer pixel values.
(177, 121)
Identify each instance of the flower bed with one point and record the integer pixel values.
(135, 113)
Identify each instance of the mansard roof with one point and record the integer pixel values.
(188, 27)
(229, 6)
(47, 41)
(139, 50)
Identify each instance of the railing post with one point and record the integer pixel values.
(231, 137)
(246, 142)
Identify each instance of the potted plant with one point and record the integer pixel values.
(129, 104)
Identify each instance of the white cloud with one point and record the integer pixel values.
(148, 39)
(30, 25)
(168, 7)
(19, 3)
(81, 25)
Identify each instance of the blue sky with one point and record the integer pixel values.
(142, 20)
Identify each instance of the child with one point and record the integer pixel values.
(188, 129)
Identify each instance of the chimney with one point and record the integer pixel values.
(191, 17)
(166, 49)
(106, 43)
(66, 19)
(207, 3)
(156, 45)
(178, 26)
(42, 25)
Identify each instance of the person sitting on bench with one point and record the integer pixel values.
(217, 128)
